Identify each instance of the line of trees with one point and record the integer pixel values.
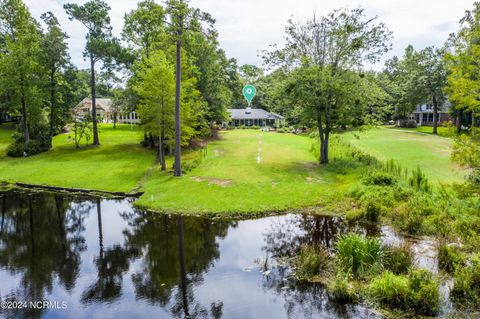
(168, 42)
(318, 80)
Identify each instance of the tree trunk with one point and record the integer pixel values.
(26, 133)
(114, 119)
(151, 141)
(52, 105)
(324, 149)
(458, 121)
(324, 137)
(435, 114)
(178, 140)
(161, 150)
(96, 141)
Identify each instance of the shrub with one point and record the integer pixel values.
(424, 296)
(284, 130)
(412, 216)
(19, 149)
(379, 179)
(341, 288)
(390, 289)
(466, 282)
(417, 292)
(449, 257)
(408, 221)
(357, 254)
(311, 261)
(397, 259)
(363, 157)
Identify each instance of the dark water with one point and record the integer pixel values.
(95, 258)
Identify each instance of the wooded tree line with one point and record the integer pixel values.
(40, 86)
(318, 79)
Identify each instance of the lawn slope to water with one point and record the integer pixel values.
(411, 149)
(247, 171)
(117, 165)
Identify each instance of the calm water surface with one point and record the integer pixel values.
(106, 259)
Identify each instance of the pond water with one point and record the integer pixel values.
(99, 258)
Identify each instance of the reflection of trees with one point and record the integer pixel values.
(176, 253)
(41, 240)
(111, 264)
(283, 239)
(286, 235)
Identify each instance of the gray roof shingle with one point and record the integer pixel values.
(241, 114)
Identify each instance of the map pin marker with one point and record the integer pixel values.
(249, 92)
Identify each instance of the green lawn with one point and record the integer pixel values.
(441, 130)
(117, 165)
(5, 137)
(411, 149)
(247, 171)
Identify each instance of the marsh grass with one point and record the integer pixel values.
(356, 254)
(312, 261)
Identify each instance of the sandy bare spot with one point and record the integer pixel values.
(310, 165)
(313, 180)
(213, 181)
(217, 152)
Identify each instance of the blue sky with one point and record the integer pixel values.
(247, 26)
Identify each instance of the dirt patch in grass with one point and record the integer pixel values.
(313, 180)
(310, 165)
(213, 181)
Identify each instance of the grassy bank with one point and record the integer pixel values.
(117, 165)
(411, 149)
(249, 171)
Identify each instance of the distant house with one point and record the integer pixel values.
(105, 111)
(4, 117)
(254, 117)
(423, 114)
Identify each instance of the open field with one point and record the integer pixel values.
(248, 171)
(411, 149)
(244, 171)
(117, 165)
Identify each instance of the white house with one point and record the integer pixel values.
(254, 117)
(105, 111)
(423, 114)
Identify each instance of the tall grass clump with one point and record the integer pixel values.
(417, 292)
(450, 257)
(311, 261)
(466, 282)
(419, 181)
(341, 288)
(397, 259)
(358, 255)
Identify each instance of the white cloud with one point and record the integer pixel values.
(247, 26)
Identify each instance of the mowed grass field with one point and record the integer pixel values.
(117, 165)
(247, 171)
(411, 149)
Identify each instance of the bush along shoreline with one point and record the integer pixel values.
(361, 269)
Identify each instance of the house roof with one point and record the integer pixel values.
(250, 114)
(102, 103)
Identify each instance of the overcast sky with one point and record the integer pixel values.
(247, 26)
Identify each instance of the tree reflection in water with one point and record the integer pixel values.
(154, 261)
(40, 240)
(176, 254)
